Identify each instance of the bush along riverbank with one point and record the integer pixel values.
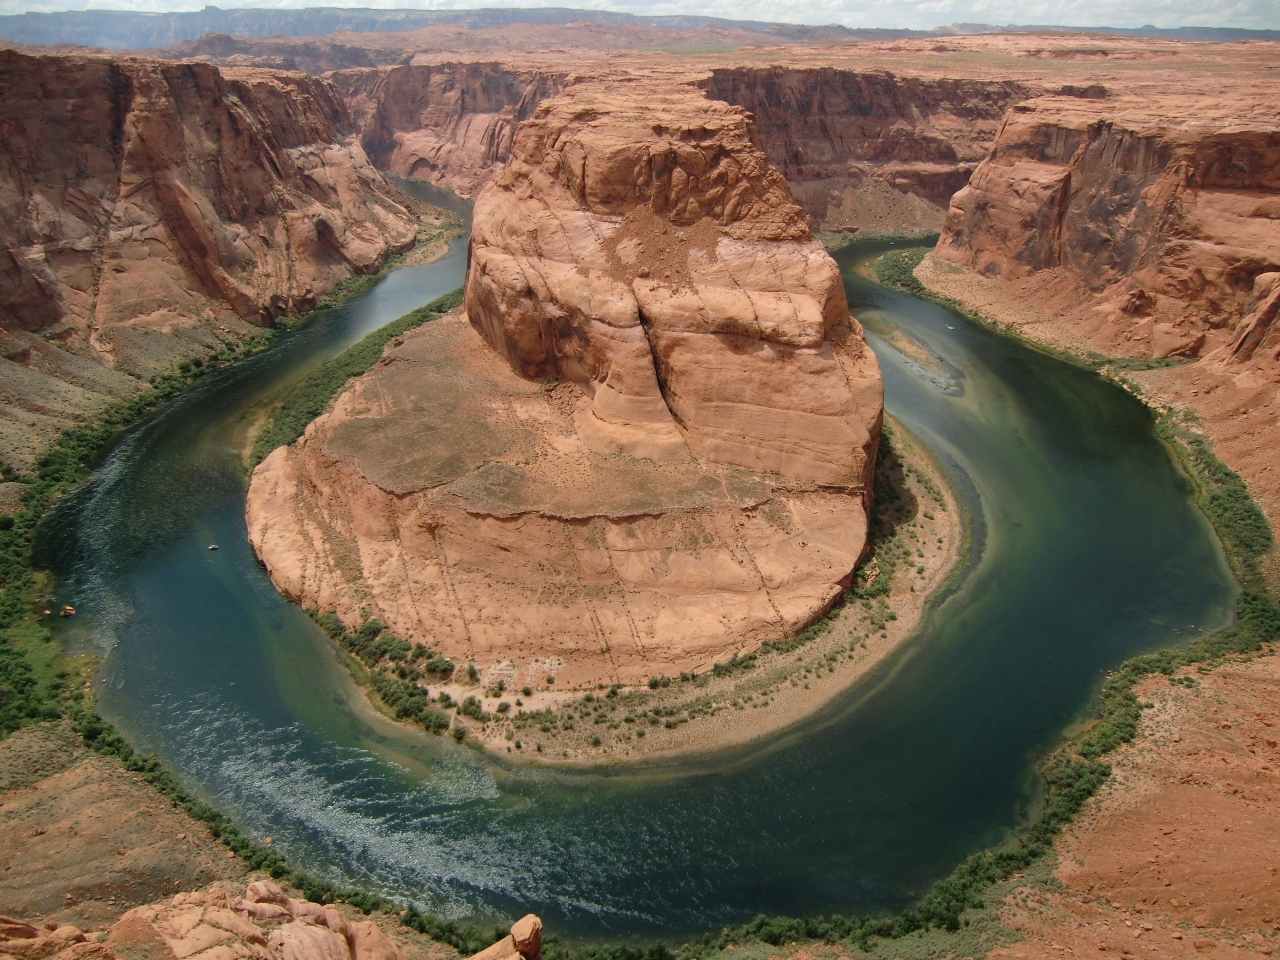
(924, 240)
(309, 398)
(429, 243)
(34, 677)
(897, 268)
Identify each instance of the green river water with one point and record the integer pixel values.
(1086, 549)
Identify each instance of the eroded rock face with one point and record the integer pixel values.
(646, 447)
(643, 248)
(864, 151)
(212, 922)
(452, 123)
(870, 151)
(1164, 216)
(1142, 228)
(150, 211)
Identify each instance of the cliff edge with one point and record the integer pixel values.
(1144, 229)
(153, 212)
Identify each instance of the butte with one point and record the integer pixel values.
(646, 446)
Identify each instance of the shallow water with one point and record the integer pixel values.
(1087, 549)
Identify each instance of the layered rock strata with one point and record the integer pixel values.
(870, 151)
(1166, 218)
(1141, 229)
(452, 123)
(649, 448)
(864, 151)
(151, 211)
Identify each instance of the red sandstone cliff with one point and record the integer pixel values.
(1143, 228)
(864, 151)
(452, 123)
(870, 151)
(149, 211)
(1165, 218)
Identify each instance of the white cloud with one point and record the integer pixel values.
(918, 14)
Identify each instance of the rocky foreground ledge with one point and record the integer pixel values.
(214, 924)
(649, 449)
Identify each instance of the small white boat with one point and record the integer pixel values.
(213, 546)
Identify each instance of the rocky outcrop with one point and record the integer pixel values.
(151, 211)
(452, 123)
(648, 449)
(655, 258)
(1161, 220)
(524, 942)
(870, 151)
(264, 924)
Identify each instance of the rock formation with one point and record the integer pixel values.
(864, 151)
(657, 456)
(524, 942)
(870, 151)
(452, 123)
(1165, 217)
(152, 211)
(1140, 228)
(213, 924)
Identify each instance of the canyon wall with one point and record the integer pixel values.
(651, 446)
(151, 211)
(452, 123)
(870, 151)
(1142, 228)
(1165, 217)
(864, 151)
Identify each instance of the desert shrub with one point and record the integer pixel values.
(897, 269)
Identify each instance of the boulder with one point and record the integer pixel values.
(526, 933)
(368, 942)
(306, 941)
(264, 891)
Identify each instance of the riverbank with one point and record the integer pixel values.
(430, 244)
(1173, 857)
(917, 543)
(1234, 406)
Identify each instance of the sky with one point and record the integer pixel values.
(917, 14)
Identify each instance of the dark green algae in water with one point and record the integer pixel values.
(1086, 550)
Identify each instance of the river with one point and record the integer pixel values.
(1087, 549)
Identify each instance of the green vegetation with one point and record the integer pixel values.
(393, 668)
(926, 240)
(308, 399)
(36, 681)
(359, 283)
(897, 269)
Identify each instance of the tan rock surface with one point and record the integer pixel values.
(597, 525)
(151, 212)
(1176, 856)
(213, 923)
(82, 841)
(640, 245)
